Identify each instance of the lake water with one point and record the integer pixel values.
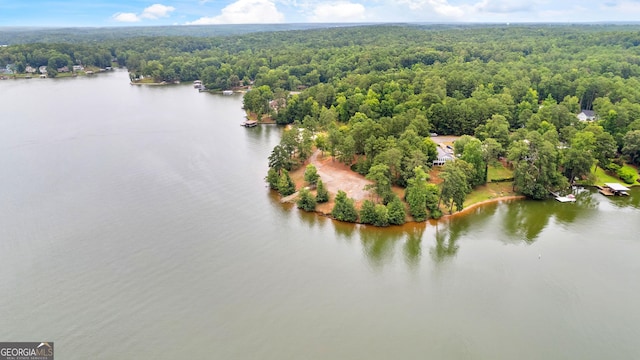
(135, 224)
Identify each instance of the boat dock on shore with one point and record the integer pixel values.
(249, 123)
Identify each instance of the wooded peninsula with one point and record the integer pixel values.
(534, 108)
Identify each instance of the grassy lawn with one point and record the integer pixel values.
(489, 191)
(498, 171)
(603, 177)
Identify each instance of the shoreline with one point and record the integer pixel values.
(292, 200)
(472, 207)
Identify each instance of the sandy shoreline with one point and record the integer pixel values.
(462, 212)
(472, 207)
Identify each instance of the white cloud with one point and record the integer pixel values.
(245, 12)
(441, 7)
(157, 11)
(473, 11)
(153, 12)
(338, 12)
(126, 17)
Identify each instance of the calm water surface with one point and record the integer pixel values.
(135, 224)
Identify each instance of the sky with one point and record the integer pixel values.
(101, 13)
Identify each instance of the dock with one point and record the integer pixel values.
(249, 123)
(565, 199)
(613, 189)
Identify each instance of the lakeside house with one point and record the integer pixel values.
(445, 154)
(586, 115)
(78, 68)
(8, 70)
(63, 69)
(42, 69)
(29, 70)
(278, 104)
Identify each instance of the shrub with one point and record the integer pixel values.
(382, 215)
(306, 201)
(286, 186)
(322, 194)
(436, 214)
(397, 213)
(627, 175)
(612, 168)
(368, 212)
(311, 174)
(344, 208)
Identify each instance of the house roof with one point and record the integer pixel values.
(616, 187)
(589, 113)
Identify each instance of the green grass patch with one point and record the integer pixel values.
(602, 177)
(497, 172)
(489, 191)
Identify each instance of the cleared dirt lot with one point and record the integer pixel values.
(337, 176)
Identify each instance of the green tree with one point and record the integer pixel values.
(305, 145)
(474, 155)
(497, 127)
(631, 148)
(397, 214)
(286, 186)
(257, 100)
(322, 195)
(306, 201)
(272, 178)
(322, 143)
(605, 148)
(368, 212)
(492, 150)
(381, 185)
(382, 215)
(579, 157)
(346, 150)
(416, 194)
(536, 163)
(280, 159)
(433, 197)
(311, 174)
(344, 208)
(455, 183)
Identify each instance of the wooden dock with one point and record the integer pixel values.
(604, 191)
(613, 189)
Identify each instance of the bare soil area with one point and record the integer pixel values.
(335, 176)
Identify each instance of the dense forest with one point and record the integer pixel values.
(371, 96)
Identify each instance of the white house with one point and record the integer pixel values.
(587, 115)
